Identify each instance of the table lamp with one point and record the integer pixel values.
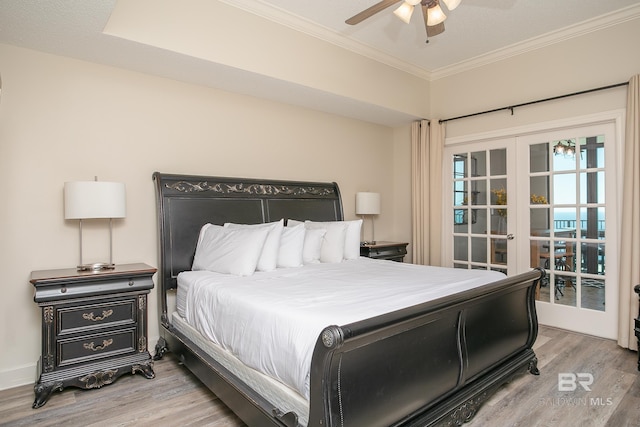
(368, 204)
(95, 199)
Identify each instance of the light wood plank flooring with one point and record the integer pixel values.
(175, 397)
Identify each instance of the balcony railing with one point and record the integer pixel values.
(571, 224)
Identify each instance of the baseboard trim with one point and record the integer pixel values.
(18, 377)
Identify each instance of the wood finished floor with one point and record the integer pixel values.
(175, 397)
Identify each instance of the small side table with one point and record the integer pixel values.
(94, 327)
(393, 251)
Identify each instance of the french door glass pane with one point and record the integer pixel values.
(479, 192)
(593, 258)
(565, 290)
(539, 158)
(498, 162)
(459, 166)
(479, 209)
(564, 189)
(479, 250)
(499, 251)
(592, 223)
(564, 219)
(567, 218)
(479, 223)
(460, 248)
(562, 161)
(539, 186)
(590, 182)
(478, 163)
(539, 220)
(593, 294)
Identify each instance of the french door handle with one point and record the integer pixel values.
(510, 236)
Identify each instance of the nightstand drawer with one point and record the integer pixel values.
(393, 251)
(96, 346)
(387, 252)
(96, 316)
(59, 290)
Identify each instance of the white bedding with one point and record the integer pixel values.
(271, 320)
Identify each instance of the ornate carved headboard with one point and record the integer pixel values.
(186, 202)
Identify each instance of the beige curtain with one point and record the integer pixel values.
(426, 191)
(629, 262)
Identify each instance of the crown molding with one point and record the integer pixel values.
(553, 37)
(303, 25)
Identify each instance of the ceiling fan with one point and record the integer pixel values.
(431, 11)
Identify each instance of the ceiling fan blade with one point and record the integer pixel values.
(432, 30)
(356, 19)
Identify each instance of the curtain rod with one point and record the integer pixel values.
(511, 107)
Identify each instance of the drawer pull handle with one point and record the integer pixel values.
(93, 347)
(90, 316)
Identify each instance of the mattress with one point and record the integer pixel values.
(279, 395)
(270, 321)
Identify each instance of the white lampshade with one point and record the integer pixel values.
(435, 15)
(452, 4)
(404, 12)
(94, 199)
(367, 203)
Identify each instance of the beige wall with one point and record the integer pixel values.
(217, 32)
(593, 60)
(64, 120)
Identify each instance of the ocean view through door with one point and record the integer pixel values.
(571, 226)
(544, 200)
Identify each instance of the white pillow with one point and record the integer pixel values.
(312, 245)
(352, 235)
(291, 246)
(332, 249)
(352, 239)
(269, 256)
(293, 222)
(229, 251)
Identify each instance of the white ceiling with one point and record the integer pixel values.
(475, 29)
(477, 32)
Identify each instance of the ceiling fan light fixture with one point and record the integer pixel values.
(452, 4)
(404, 12)
(565, 148)
(413, 2)
(435, 15)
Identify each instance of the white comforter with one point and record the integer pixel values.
(271, 320)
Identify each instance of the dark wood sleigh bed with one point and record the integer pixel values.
(431, 364)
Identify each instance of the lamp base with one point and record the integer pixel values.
(98, 266)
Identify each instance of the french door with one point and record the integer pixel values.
(548, 200)
(479, 207)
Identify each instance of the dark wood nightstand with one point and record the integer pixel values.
(393, 251)
(94, 327)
